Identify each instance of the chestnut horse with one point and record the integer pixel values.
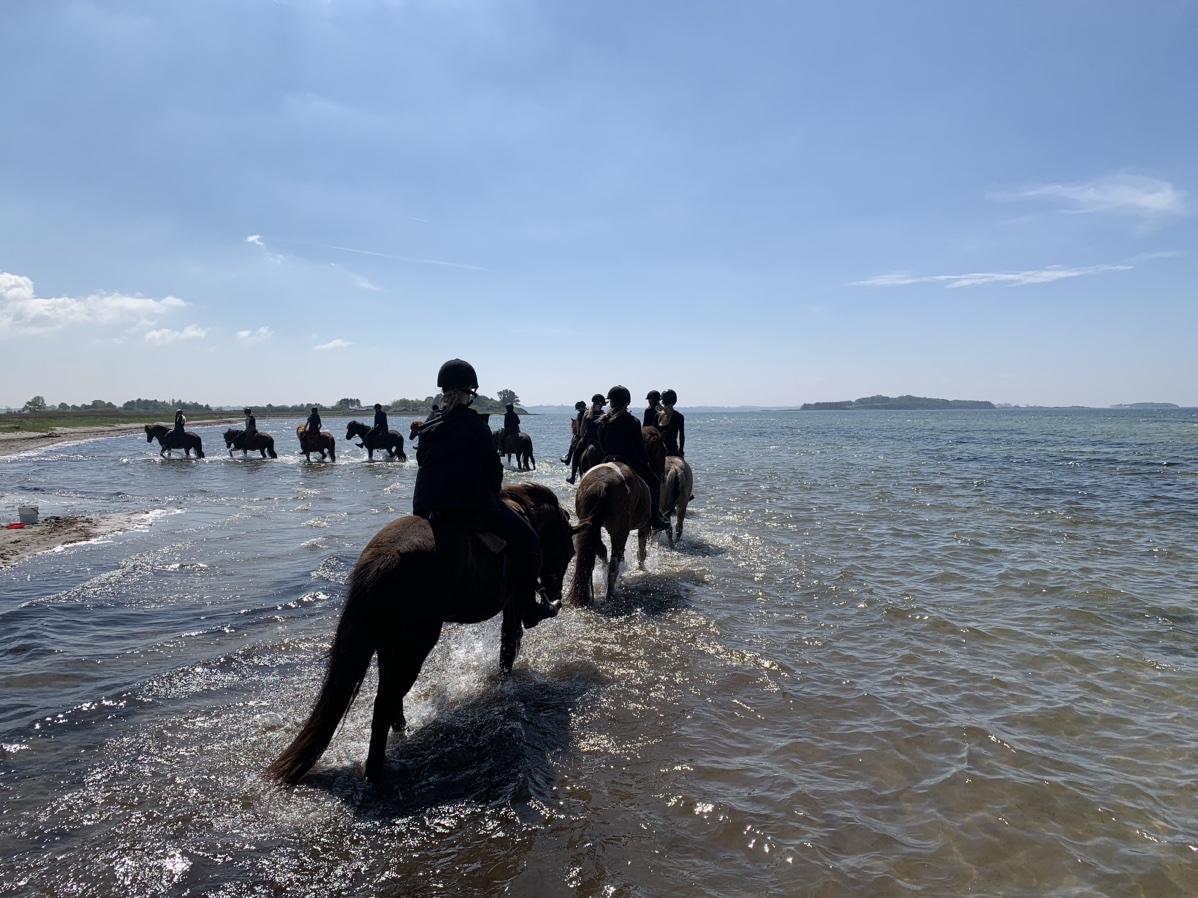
(322, 443)
(168, 440)
(263, 442)
(391, 442)
(411, 579)
(610, 497)
(519, 445)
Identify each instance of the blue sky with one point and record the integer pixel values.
(251, 201)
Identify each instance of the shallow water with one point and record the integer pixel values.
(950, 652)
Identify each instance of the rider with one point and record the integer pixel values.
(621, 440)
(380, 424)
(460, 472)
(580, 411)
(672, 425)
(314, 423)
(649, 416)
(511, 422)
(589, 435)
(251, 428)
(180, 423)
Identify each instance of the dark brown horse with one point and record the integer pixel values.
(391, 442)
(322, 443)
(168, 440)
(676, 490)
(654, 448)
(411, 579)
(610, 497)
(517, 444)
(262, 442)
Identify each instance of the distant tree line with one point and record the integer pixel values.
(899, 403)
(484, 404)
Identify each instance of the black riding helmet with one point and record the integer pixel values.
(669, 397)
(579, 405)
(653, 396)
(457, 374)
(619, 395)
(248, 412)
(600, 398)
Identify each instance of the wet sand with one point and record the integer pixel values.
(12, 443)
(54, 532)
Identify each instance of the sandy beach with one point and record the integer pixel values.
(55, 532)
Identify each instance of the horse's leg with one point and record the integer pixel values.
(619, 540)
(509, 642)
(399, 666)
(642, 538)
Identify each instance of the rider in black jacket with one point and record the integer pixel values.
(380, 424)
(460, 472)
(649, 415)
(621, 439)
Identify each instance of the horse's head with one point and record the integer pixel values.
(230, 436)
(414, 430)
(153, 430)
(552, 524)
(353, 429)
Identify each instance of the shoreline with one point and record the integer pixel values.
(56, 533)
(14, 443)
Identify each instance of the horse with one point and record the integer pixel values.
(168, 440)
(655, 451)
(610, 496)
(322, 443)
(391, 442)
(411, 579)
(517, 444)
(263, 442)
(677, 488)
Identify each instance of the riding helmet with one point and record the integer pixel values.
(248, 412)
(669, 397)
(600, 398)
(619, 395)
(653, 396)
(508, 406)
(580, 405)
(457, 374)
(378, 405)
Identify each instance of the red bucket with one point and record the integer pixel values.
(16, 526)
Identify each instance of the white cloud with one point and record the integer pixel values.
(987, 278)
(24, 313)
(1120, 194)
(253, 338)
(255, 239)
(334, 344)
(365, 284)
(164, 336)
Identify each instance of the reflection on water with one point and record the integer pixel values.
(941, 652)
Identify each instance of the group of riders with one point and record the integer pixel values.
(460, 474)
(311, 428)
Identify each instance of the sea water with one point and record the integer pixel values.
(943, 653)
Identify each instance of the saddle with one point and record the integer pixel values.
(467, 524)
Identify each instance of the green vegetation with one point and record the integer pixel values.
(902, 403)
(484, 405)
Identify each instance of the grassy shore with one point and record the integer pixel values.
(45, 422)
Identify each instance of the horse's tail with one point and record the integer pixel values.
(532, 462)
(671, 491)
(588, 542)
(349, 657)
(270, 448)
(199, 448)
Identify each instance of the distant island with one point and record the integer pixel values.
(900, 403)
(1147, 405)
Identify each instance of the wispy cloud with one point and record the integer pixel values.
(333, 344)
(364, 283)
(1123, 194)
(164, 336)
(24, 313)
(256, 240)
(253, 338)
(987, 278)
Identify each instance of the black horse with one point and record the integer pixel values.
(168, 440)
(411, 579)
(263, 442)
(391, 441)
